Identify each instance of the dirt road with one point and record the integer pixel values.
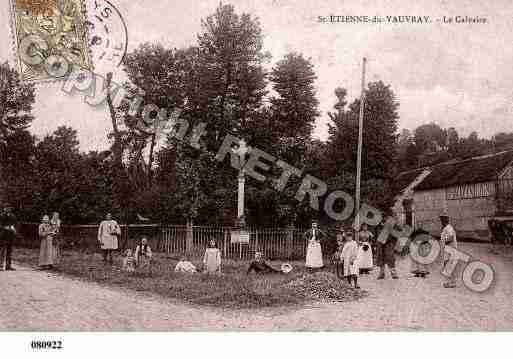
(36, 300)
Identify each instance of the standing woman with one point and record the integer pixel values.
(314, 250)
(56, 225)
(365, 238)
(108, 233)
(47, 249)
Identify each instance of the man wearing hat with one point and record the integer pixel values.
(7, 235)
(448, 238)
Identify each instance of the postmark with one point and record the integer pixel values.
(108, 34)
(51, 38)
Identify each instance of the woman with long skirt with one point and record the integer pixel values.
(365, 238)
(314, 250)
(47, 250)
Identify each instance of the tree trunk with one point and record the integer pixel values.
(290, 241)
(151, 159)
(117, 148)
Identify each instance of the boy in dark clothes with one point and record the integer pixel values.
(7, 235)
(260, 266)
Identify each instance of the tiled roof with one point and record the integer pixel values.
(473, 170)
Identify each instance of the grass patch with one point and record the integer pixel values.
(233, 289)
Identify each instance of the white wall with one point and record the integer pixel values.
(469, 216)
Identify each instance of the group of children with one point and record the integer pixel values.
(354, 257)
(211, 261)
(140, 258)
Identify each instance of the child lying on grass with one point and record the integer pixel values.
(259, 265)
(185, 266)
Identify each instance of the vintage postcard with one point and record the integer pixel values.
(270, 165)
(50, 38)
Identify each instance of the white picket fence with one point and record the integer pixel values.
(272, 242)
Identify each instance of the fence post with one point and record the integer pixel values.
(225, 236)
(290, 240)
(189, 237)
(127, 238)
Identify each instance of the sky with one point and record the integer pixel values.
(453, 74)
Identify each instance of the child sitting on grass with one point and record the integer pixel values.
(129, 261)
(143, 255)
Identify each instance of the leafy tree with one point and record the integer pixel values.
(16, 144)
(285, 130)
(157, 75)
(18, 179)
(232, 75)
(453, 141)
(407, 151)
(16, 101)
(379, 133)
(224, 87)
(502, 141)
(57, 159)
(472, 146)
(430, 138)
(295, 106)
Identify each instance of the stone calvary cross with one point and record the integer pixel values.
(241, 151)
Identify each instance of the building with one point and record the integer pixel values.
(473, 191)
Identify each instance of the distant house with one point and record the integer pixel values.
(472, 191)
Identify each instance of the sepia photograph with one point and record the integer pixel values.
(254, 166)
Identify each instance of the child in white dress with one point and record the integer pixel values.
(365, 238)
(351, 260)
(129, 262)
(212, 258)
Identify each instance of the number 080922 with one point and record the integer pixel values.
(50, 344)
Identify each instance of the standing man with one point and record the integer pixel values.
(108, 233)
(8, 234)
(385, 256)
(448, 238)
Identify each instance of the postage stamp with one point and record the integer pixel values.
(51, 38)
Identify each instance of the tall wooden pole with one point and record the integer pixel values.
(360, 145)
(240, 195)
